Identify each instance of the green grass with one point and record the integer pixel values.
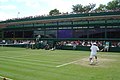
(27, 64)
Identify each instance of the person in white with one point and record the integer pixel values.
(94, 48)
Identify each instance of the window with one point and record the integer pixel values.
(41, 33)
(80, 22)
(38, 24)
(97, 22)
(8, 34)
(96, 33)
(81, 33)
(28, 34)
(51, 33)
(51, 24)
(64, 33)
(65, 23)
(28, 25)
(18, 34)
(113, 33)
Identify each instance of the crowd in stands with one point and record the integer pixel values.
(16, 41)
(65, 43)
(88, 43)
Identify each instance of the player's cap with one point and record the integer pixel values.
(94, 43)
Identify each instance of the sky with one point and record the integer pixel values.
(23, 8)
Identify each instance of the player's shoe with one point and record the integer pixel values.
(91, 62)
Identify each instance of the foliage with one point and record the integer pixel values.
(113, 5)
(54, 12)
(79, 8)
(101, 8)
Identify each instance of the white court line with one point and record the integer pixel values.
(5, 78)
(19, 57)
(67, 63)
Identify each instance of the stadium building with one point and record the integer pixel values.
(102, 26)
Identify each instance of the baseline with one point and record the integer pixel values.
(65, 64)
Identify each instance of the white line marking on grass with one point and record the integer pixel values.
(67, 63)
(5, 78)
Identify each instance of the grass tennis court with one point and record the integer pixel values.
(27, 64)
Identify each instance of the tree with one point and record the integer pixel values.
(101, 8)
(54, 12)
(113, 5)
(78, 8)
(89, 7)
(92, 6)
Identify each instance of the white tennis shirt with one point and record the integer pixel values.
(94, 49)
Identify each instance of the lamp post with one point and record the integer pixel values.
(18, 14)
